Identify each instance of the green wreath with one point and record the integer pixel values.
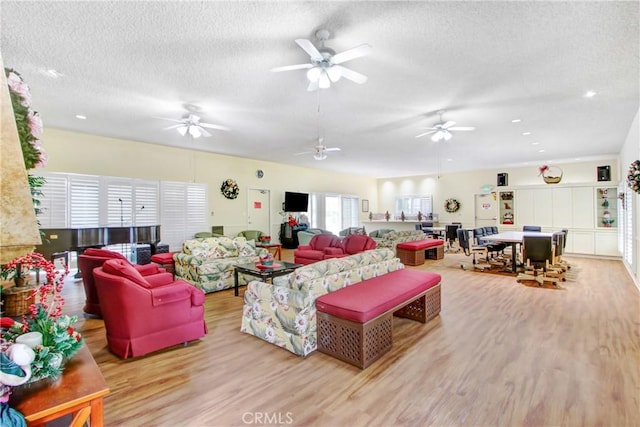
(230, 189)
(451, 205)
(633, 177)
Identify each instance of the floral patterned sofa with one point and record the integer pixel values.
(208, 263)
(391, 239)
(284, 313)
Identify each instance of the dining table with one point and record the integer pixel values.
(514, 238)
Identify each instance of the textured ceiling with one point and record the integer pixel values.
(126, 63)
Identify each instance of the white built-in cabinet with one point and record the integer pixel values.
(578, 208)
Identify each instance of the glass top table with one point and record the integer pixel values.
(279, 268)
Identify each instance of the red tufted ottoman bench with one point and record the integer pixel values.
(165, 260)
(413, 253)
(355, 323)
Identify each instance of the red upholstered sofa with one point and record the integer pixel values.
(321, 246)
(145, 314)
(93, 258)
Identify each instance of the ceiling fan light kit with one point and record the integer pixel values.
(192, 125)
(442, 130)
(324, 67)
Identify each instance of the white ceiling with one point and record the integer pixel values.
(485, 63)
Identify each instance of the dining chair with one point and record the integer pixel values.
(451, 233)
(471, 249)
(531, 228)
(538, 255)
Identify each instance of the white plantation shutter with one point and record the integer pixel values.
(84, 197)
(53, 201)
(82, 201)
(182, 211)
(196, 208)
(146, 196)
(119, 202)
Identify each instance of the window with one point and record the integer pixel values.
(81, 201)
(410, 205)
(333, 212)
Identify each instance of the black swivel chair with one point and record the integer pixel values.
(538, 255)
(531, 228)
(471, 249)
(451, 233)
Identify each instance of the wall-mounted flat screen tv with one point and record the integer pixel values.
(296, 202)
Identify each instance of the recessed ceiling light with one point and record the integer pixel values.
(526, 133)
(449, 160)
(53, 73)
(81, 117)
(590, 94)
(541, 151)
(535, 143)
(516, 121)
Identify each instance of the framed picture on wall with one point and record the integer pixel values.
(365, 205)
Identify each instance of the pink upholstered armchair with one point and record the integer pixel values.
(321, 246)
(93, 258)
(355, 243)
(145, 314)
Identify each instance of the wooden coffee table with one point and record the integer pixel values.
(279, 268)
(81, 387)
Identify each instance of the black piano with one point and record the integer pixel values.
(59, 240)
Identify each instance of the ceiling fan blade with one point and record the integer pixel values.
(425, 133)
(171, 120)
(351, 75)
(210, 126)
(314, 85)
(292, 67)
(355, 52)
(447, 136)
(173, 127)
(448, 124)
(204, 132)
(462, 128)
(332, 149)
(304, 152)
(310, 49)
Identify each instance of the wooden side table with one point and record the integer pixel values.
(276, 246)
(80, 387)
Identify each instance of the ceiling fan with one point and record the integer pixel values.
(442, 130)
(320, 150)
(325, 67)
(192, 125)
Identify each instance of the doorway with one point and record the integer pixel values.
(486, 210)
(259, 210)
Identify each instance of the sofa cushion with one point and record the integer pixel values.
(420, 244)
(366, 300)
(121, 267)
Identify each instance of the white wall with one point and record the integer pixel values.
(464, 185)
(89, 154)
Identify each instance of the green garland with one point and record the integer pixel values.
(452, 205)
(633, 177)
(230, 189)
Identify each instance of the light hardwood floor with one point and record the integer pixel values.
(499, 354)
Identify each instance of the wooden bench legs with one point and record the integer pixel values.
(363, 343)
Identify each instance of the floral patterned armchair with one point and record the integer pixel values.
(284, 313)
(208, 263)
